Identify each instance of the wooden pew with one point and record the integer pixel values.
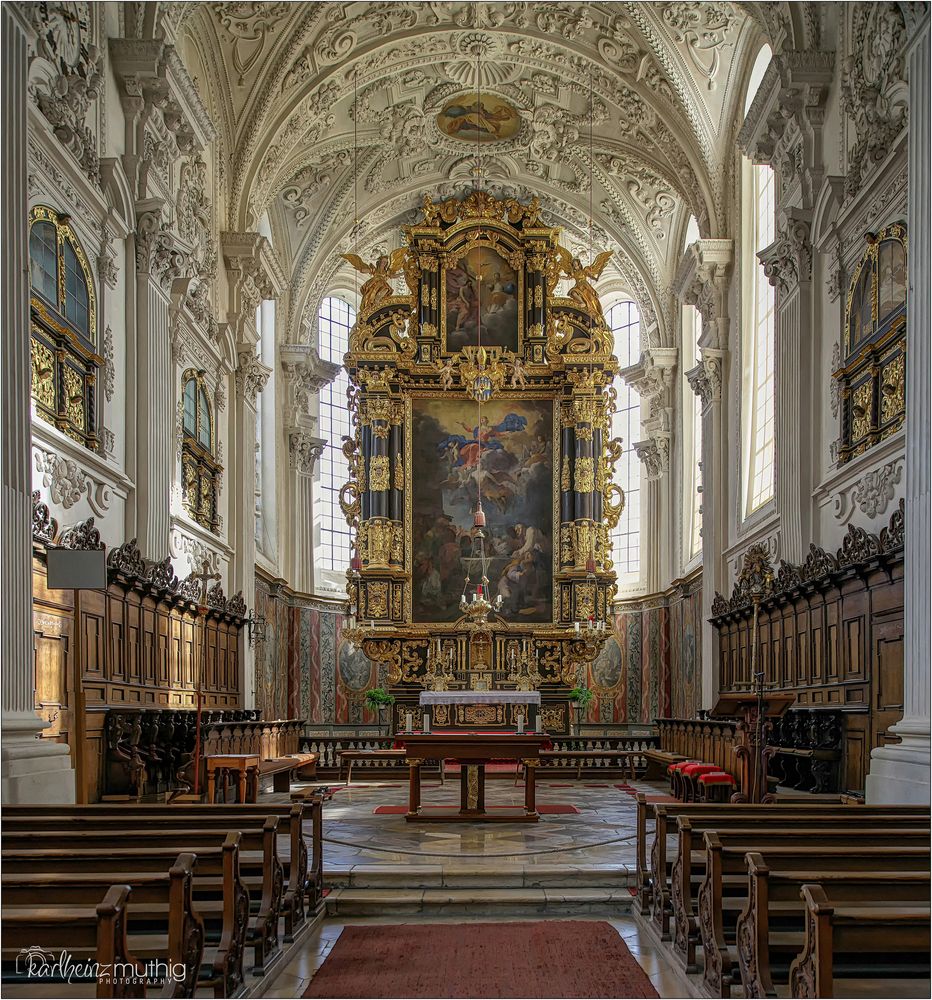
(224, 816)
(839, 926)
(176, 939)
(259, 868)
(660, 868)
(723, 895)
(700, 862)
(95, 932)
(775, 881)
(224, 912)
(191, 828)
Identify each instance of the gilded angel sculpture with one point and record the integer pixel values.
(582, 292)
(378, 288)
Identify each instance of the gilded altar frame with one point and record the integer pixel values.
(399, 353)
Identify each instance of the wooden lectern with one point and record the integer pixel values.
(753, 709)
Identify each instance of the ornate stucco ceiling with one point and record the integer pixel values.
(289, 84)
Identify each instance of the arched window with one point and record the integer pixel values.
(200, 470)
(335, 319)
(624, 320)
(63, 328)
(758, 340)
(692, 437)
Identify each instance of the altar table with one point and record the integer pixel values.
(473, 751)
(530, 699)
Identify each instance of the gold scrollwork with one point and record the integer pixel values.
(377, 599)
(379, 473)
(585, 476)
(565, 475)
(862, 410)
(399, 472)
(893, 389)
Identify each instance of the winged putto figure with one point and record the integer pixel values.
(379, 287)
(582, 292)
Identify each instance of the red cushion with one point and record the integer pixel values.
(694, 769)
(716, 778)
(679, 766)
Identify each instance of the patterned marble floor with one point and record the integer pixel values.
(600, 835)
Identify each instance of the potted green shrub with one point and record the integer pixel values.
(379, 700)
(580, 698)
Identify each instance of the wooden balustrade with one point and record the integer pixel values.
(711, 741)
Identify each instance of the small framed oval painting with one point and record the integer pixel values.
(478, 117)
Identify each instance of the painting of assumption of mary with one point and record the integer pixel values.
(481, 302)
(511, 444)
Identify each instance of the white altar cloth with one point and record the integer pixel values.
(480, 698)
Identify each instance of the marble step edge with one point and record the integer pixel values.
(437, 877)
(396, 902)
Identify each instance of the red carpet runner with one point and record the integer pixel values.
(554, 958)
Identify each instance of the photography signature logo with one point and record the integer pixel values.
(38, 963)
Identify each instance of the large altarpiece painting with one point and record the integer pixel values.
(514, 436)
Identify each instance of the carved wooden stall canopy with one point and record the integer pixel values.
(142, 641)
(480, 322)
(872, 379)
(830, 630)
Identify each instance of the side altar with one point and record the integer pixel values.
(481, 491)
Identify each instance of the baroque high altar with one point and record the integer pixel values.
(481, 382)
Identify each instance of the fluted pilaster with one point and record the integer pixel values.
(31, 769)
(901, 772)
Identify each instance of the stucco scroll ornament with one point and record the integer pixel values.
(655, 454)
(703, 28)
(875, 491)
(788, 260)
(305, 451)
(251, 375)
(836, 383)
(109, 366)
(156, 251)
(62, 477)
(871, 87)
(67, 78)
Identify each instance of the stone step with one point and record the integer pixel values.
(498, 902)
(404, 877)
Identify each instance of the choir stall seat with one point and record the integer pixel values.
(716, 786)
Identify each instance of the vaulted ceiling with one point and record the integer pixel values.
(325, 106)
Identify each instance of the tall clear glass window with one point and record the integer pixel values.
(758, 395)
(624, 320)
(692, 436)
(335, 319)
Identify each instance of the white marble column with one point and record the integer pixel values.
(901, 772)
(304, 451)
(31, 769)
